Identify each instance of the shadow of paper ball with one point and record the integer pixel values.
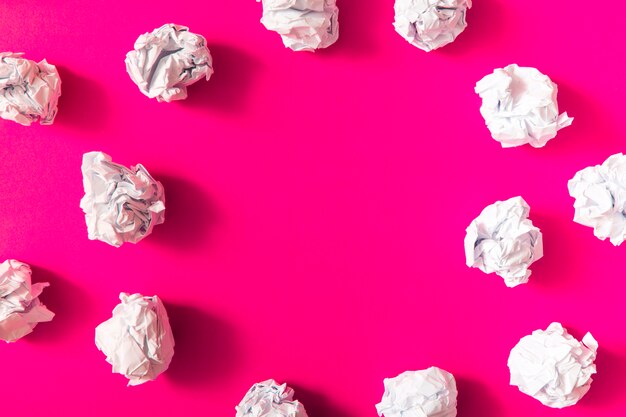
(227, 90)
(356, 22)
(608, 384)
(591, 132)
(206, 350)
(189, 214)
(83, 104)
(488, 22)
(69, 303)
(317, 404)
(474, 399)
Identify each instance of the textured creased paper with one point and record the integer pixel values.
(167, 60)
(503, 240)
(268, 399)
(600, 193)
(427, 393)
(120, 204)
(137, 340)
(29, 91)
(304, 25)
(520, 106)
(553, 367)
(430, 24)
(20, 308)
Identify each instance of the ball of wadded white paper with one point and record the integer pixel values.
(120, 204)
(137, 340)
(503, 240)
(600, 193)
(29, 91)
(430, 24)
(20, 308)
(268, 399)
(553, 367)
(304, 25)
(167, 60)
(520, 106)
(427, 393)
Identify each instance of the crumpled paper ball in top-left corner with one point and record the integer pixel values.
(137, 340)
(29, 91)
(20, 308)
(120, 204)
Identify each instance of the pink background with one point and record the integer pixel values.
(316, 208)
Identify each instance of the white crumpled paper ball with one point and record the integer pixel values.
(430, 24)
(304, 25)
(29, 91)
(137, 340)
(427, 393)
(20, 308)
(268, 399)
(553, 367)
(503, 240)
(519, 106)
(120, 204)
(600, 193)
(167, 60)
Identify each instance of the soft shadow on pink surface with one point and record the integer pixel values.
(593, 130)
(607, 387)
(356, 22)
(189, 214)
(206, 348)
(228, 89)
(486, 27)
(83, 103)
(554, 226)
(69, 303)
(317, 404)
(475, 400)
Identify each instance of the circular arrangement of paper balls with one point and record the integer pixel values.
(519, 105)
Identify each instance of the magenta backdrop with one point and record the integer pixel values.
(316, 208)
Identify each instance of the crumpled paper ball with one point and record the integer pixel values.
(167, 60)
(502, 239)
(304, 25)
(20, 308)
(553, 367)
(600, 193)
(268, 399)
(519, 106)
(29, 91)
(427, 393)
(137, 340)
(430, 24)
(120, 204)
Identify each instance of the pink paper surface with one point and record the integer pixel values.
(316, 208)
